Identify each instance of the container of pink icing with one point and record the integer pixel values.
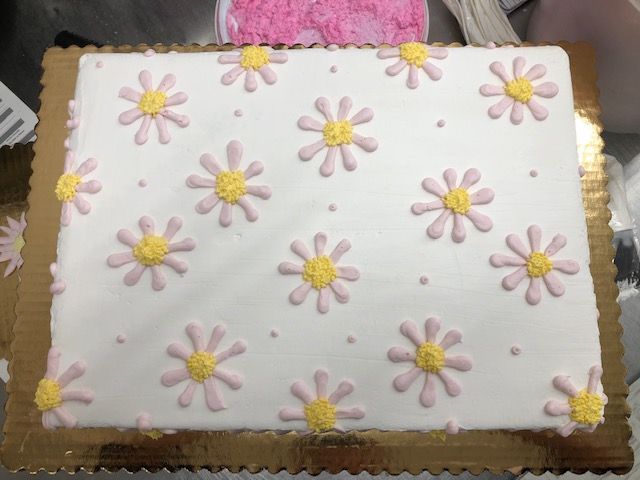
(321, 21)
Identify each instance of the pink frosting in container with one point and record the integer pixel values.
(321, 21)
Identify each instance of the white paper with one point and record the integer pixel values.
(17, 121)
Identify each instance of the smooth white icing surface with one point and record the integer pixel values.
(233, 276)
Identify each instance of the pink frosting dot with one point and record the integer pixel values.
(533, 173)
(274, 333)
(332, 47)
(333, 207)
(351, 339)
(142, 182)
(334, 68)
(516, 349)
(99, 64)
(581, 171)
(238, 112)
(424, 280)
(121, 338)
(490, 45)
(441, 123)
(149, 52)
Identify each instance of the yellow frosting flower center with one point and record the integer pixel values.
(337, 133)
(254, 57)
(231, 186)
(154, 434)
(320, 415)
(319, 271)
(66, 186)
(586, 408)
(48, 395)
(538, 265)
(152, 102)
(18, 244)
(151, 250)
(519, 89)
(430, 357)
(201, 365)
(414, 53)
(457, 200)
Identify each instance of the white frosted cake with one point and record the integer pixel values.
(323, 239)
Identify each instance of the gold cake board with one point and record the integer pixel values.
(29, 446)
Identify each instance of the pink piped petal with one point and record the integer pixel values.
(174, 224)
(232, 75)
(210, 163)
(288, 268)
(554, 285)
(300, 390)
(512, 280)
(173, 377)
(125, 236)
(534, 232)
(216, 336)
(158, 279)
(82, 204)
(497, 68)
(301, 250)
(480, 220)
(178, 265)
(237, 348)
(321, 378)
(496, 111)
(323, 106)
(69, 158)
(410, 330)
(557, 243)
(344, 388)
(176, 99)
(451, 338)
(567, 429)
(147, 225)
(353, 412)
(163, 131)
(234, 154)
(500, 260)
(225, 215)
(133, 276)
(396, 68)
(557, 408)
(401, 354)
(142, 135)
(459, 362)
(595, 374)
(145, 80)
(517, 113)
(328, 166)
(537, 110)
(278, 57)
(287, 414)
(564, 384)
(570, 267)
(348, 160)
(179, 350)
(438, 52)
(482, 196)
(533, 294)
(212, 395)
(535, 72)
(65, 215)
(130, 94)
(450, 177)
(433, 72)
(428, 393)
(260, 191)
(47, 421)
(130, 116)
(324, 300)
(308, 123)
(250, 212)
(181, 120)
(432, 186)
(298, 295)
(451, 385)
(64, 417)
(470, 178)
(436, 229)
(546, 90)
(458, 233)
(233, 380)
(229, 59)
(92, 186)
(491, 90)
(119, 259)
(412, 79)
(53, 363)
(85, 396)
(368, 144)
(390, 52)
(254, 169)
(340, 249)
(74, 371)
(452, 427)
(185, 399)
(344, 108)
(185, 245)
(363, 116)
(516, 245)
(340, 291)
(348, 273)
(195, 333)
(419, 208)
(403, 381)
(309, 151)
(518, 66)
(431, 328)
(167, 82)
(320, 243)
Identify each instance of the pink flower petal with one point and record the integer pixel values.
(229, 59)
(308, 123)
(65, 216)
(237, 348)
(301, 250)
(233, 380)
(185, 399)
(348, 160)
(436, 229)
(432, 186)
(451, 178)
(328, 166)
(130, 116)
(537, 110)
(390, 52)
(491, 90)
(298, 295)
(320, 242)
(64, 417)
(216, 335)
(321, 377)
(470, 178)
(232, 75)
(564, 384)
(250, 212)
(348, 273)
(482, 196)
(173, 377)
(85, 396)
(323, 106)
(403, 381)
(260, 191)
(451, 338)
(126, 237)
(179, 350)
(433, 72)
(181, 120)
(533, 294)
(81, 204)
(566, 266)
(195, 333)
(458, 233)
(396, 68)
(142, 135)
(288, 413)
(534, 232)
(557, 243)
(567, 429)
(479, 220)
(343, 247)
(324, 297)
(119, 259)
(431, 328)
(177, 265)
(344, 388)
(278, 57)
(225, 215)
(253, 170)
(158, 279)
(401, 354)
(185, 245)
(133, 276)
(344, 108)
(130, 94)
(410, 330)
(557, 408)
(459, 362)
(300, 390)
(268, 75)
(517, 113)
(92, 186)
(168, 81)
(438, 52)
(451, 385)
(500, 260)
(309, 151)
(498, 69)
(496, 111)
(419, 208)
(163, 131)
(512, 280)
(368, 144)
(340, 291)
(546, 90)
(516, 245)
(428, 393)
(234, 154)
(145, 80)
(535, 72)
(412, 79)
(595, 374)
(147, 225)
(74, 371)
(518, 66)
(353, 412)
(53, 363)
(176, 99)
(288, 268)
(363, 116)
(554, 285)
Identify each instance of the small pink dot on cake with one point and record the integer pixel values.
(516, 349)
(238, 112)
(333, 207)
(352, 339)
(150, 52)
(142, 183)
(533, 172)
(424, 280)
(274, 333)
(441, 123)
(333, 69)
(121, 338)
(581, 171)
(99, 64)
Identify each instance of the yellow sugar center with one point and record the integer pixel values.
(320, 415)
(319, 271)
(152, 102)
(151, 250)
(18, 244)
(48, 395)
(337, 133)
(231, 186)
(201, 365)
(538, 265)
(254, 57)
(457, 200)
(66, 186)
(414, 53)
(519, 89)
(586, 408)
(430, 357)
(154, 434)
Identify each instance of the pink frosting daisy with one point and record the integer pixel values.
(429, 358)
(251, 59)
(320, 272)
(321, 412)
(151, 251)
(152, 105)
(415, 55)
(202, 366)
(70, 187)
(518, 91)
(11, 244)
(336, 135)
(456, 201)
(229, 186)
(52, 393)
(585, 408)
(535, 264)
